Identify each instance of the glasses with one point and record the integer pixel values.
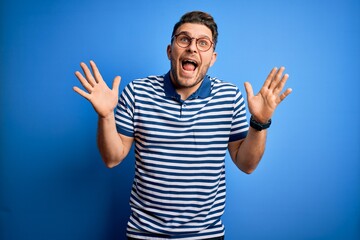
(184, 41)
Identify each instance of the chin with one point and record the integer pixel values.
(186, 80)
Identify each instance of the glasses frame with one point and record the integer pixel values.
(191, 39)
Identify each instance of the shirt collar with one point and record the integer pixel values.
(202, 92)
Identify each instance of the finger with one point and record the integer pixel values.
(116, 83)
(96, 72)
(249, 90)
(285, 94)
(281, 84)
(269, 78)
(275, 80)
(83, 81)
(82, 92)
(88, 75)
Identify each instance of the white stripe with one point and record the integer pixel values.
(193, 178)
(157, 181)
(186, 139)
(221, 198)
(184, 146)
(182, 158)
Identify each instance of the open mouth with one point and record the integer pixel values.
(189, 65)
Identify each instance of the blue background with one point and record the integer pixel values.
(53, 183)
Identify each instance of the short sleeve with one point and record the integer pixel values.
(239, 125)
(124, 113)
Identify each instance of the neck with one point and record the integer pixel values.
(184, 91)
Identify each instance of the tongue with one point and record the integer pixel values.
(189, 67)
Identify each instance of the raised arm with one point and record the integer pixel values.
(113, 147)
(248, 152)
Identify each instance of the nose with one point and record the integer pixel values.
(192, 47)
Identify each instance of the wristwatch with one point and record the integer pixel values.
(259, 126)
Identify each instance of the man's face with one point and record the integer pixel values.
(189, 65)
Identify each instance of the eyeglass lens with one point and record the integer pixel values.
(183, 40)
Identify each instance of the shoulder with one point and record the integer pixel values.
(146, 83)
(218, 85)
(152, 80)
(149, 86)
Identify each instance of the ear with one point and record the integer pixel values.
(168, 51)
(213, 58)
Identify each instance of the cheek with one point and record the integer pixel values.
(210, 60)
(173, 57)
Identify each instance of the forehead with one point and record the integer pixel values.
(195, 30)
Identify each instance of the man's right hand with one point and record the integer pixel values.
(102, 98)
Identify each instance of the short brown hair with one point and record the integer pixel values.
(201, 18)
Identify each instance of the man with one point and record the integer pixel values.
(182, 123)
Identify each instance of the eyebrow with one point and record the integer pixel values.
(187, 33)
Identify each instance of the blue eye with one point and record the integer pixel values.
(184, 39)
(203, 42)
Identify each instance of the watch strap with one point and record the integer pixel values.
(259, 126)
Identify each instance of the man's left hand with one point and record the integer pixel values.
(263, 104)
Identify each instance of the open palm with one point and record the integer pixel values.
(102, 98)
(263, 104)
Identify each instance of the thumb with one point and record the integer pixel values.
(248, 89)
(116, 84)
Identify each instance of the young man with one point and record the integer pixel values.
(182, 123)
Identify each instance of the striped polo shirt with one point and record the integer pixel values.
(180, 145)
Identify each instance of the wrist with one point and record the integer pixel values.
(111, 115)
(259, 125)
(260, 120)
